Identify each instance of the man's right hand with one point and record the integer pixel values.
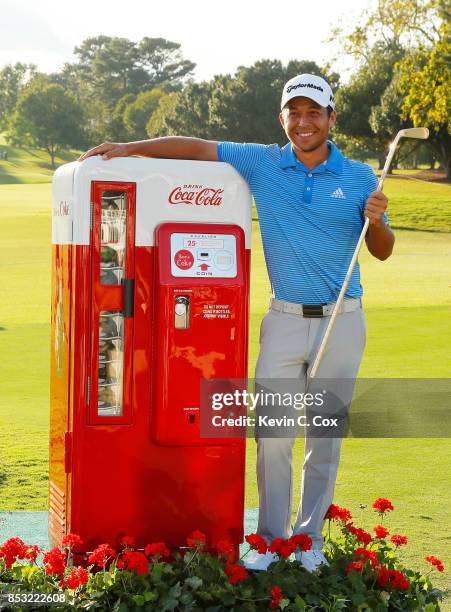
(107, 150)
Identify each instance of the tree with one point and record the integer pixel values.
(137, 113)
(365, 91)
(425, 80)
(116, 130)
(46, 117)
(158, 122)
(164, 63)
(13, 78)
(110, 68)
(246, 107)
(184, 113)
(389, 31)
(392, 23)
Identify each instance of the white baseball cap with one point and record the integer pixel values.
(309, 86)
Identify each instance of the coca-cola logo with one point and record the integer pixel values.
(196, 194)
(61, 209)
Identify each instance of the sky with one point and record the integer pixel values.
(217, 35)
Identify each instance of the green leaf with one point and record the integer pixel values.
(358, 599)
(150, 596)
(176, 590)
(299, 603)
(139, 600)
(284, 603)
(228, 599)
(194, 582)
(169, 603)
(186, 598)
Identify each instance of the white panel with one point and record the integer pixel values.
(63, 204)
(212, 255)
(166, 190)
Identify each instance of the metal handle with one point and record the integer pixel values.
(129, 295)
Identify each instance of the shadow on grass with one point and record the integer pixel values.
(9, 179)
(3, 478)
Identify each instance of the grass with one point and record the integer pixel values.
(28, 165)
(408, 308)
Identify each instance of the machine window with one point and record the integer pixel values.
(111, 363)
(112, 237)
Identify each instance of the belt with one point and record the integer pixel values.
(314, 311)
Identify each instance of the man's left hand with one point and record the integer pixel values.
(375, 207)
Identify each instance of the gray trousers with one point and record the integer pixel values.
(288, 345)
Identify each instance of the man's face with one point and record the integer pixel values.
(306, 123)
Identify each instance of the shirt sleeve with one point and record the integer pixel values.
(369, 187)
(244, 157)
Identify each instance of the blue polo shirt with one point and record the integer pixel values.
(310, 220)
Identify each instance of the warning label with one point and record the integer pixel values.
(216, 311)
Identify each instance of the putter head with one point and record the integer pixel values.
(419, 132)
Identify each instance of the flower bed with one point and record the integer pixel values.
(364, 572)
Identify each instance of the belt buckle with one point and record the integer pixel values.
(312, 311)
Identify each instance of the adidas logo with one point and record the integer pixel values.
(338, 193)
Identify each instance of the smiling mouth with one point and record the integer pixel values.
(304, 134)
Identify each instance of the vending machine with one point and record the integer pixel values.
(150, 296)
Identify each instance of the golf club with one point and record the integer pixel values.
(419, 132)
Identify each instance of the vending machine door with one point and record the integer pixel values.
(113, 237)
(200, 329)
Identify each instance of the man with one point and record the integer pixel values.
(311, 202)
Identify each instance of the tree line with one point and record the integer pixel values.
(120, 90)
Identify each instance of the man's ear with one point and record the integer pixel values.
(332, 119)
(281, 119)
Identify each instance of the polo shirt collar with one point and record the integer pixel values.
(333, 164)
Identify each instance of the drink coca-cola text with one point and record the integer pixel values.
(196, 194)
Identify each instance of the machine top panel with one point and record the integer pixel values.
(167, 190)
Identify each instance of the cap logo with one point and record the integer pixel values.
(291, 87)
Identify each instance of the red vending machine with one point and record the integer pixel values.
(150, 295)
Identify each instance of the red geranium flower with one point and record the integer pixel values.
(70, 540)
(276, 597)
(364, 556)
(196, 539)
(226, 550)
(282, 547)
(157, 549)
(435, 562)
(13, 549)
(128, 542)
(354, 566)
(101, 555)
(55, 561)
(398, 540)
(76, 577)
(362, 536)
(337, 513)
(382, 505)
(235, 573)
(32, 552)
(392, 578)
(301, 540)
(381, 532)
(134, 561)
(257, 542)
